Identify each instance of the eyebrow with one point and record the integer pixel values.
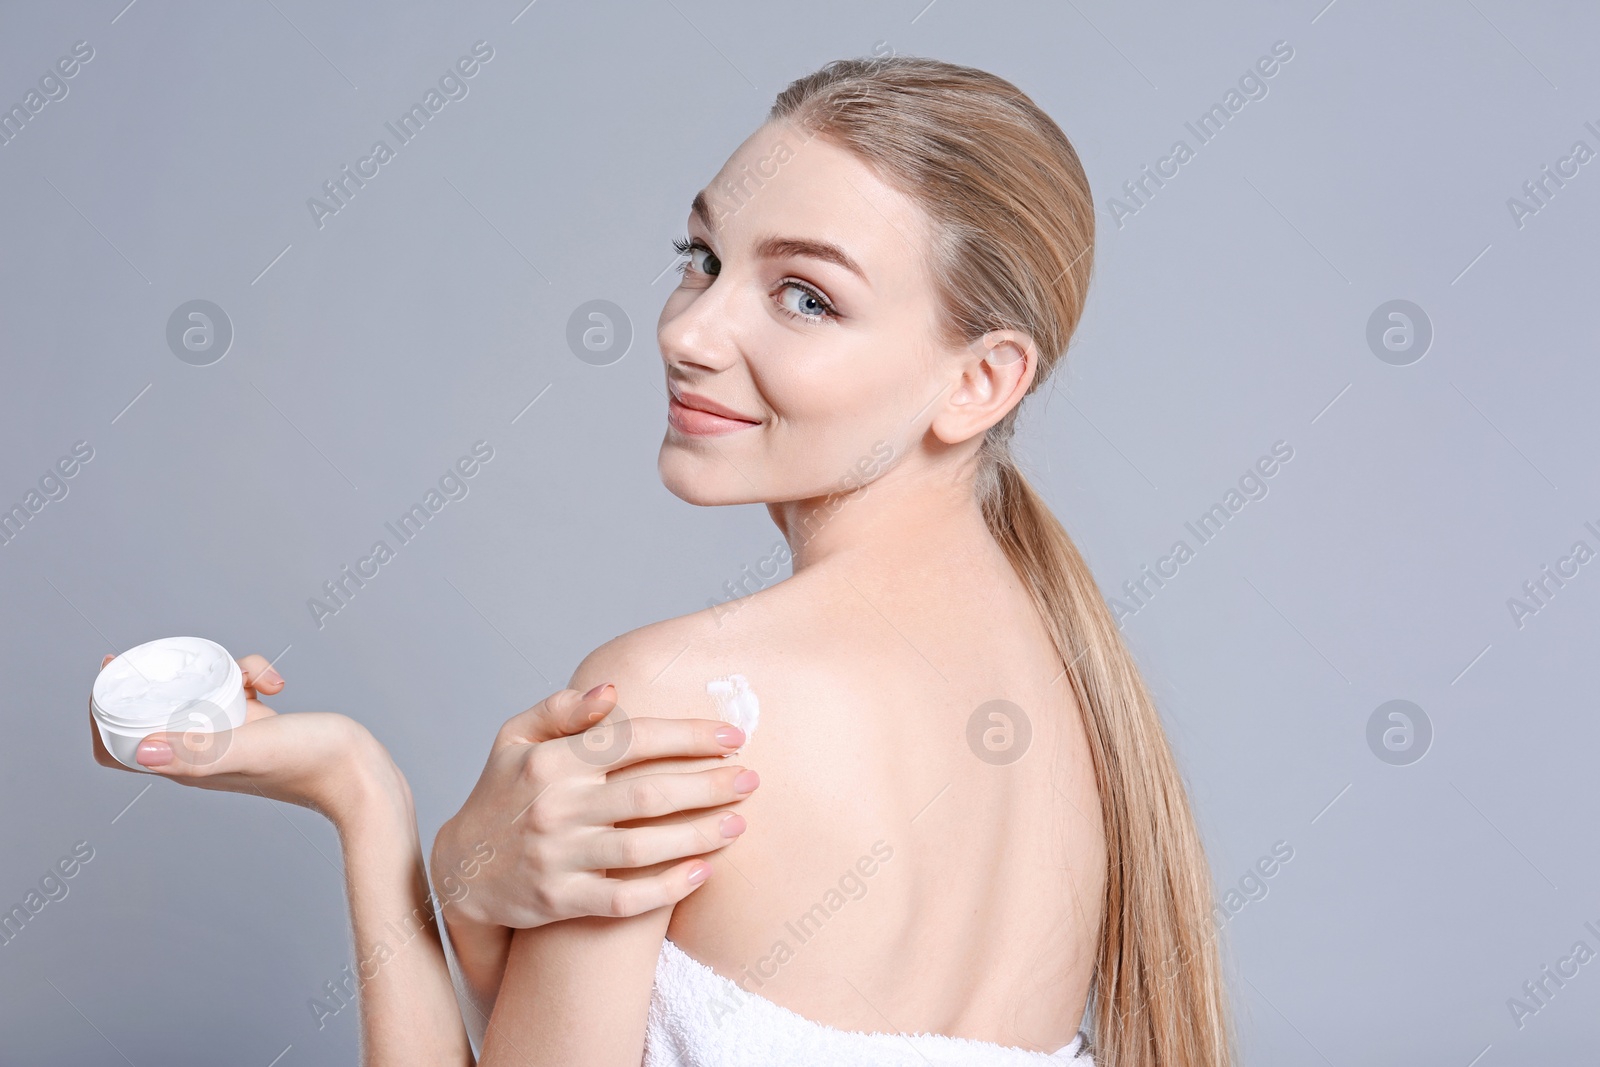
(778, 247)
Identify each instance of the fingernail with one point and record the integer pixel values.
(591, 694)
(153, 754)
(700, 873)
(731, 825)
(746, 781)
(730, 736)
(271, 677)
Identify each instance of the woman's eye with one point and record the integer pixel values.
(804, 301)
(704, 260)
(686, 246)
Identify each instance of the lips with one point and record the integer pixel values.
(700, 416)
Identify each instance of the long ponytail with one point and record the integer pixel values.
(1159, 997)
(1014, 226)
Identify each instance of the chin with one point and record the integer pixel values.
(703, 480)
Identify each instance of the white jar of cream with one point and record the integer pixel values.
(171, 685)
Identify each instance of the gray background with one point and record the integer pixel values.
(1230, 312)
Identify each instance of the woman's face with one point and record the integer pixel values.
(800, 347)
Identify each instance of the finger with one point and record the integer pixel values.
(620, 898)
(648, 738)
(108, 658)
(560, 715)
(184, 755)
(649, 795)
(643, 846)
(248, 749)
(259, 676)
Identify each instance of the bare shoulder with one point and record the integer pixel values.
(656, 668)
(662, 669)
(636, 660)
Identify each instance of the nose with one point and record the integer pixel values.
(697, 329)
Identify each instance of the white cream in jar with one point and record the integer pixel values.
(169, 685)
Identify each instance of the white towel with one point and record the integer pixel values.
(698, 1018)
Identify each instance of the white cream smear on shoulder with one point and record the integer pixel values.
(736, 702)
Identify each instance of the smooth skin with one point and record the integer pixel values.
(903, 618)
(333, 765)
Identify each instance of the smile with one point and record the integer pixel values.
(698, 416)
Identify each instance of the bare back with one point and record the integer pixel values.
(906, 867)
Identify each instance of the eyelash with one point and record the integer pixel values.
(686, 245)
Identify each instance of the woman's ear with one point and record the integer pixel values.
(994, 373)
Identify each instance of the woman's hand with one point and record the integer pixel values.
(332, 764)
(319, 760)
(545, 816)
(543, 805)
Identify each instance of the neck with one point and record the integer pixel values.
(904, 516)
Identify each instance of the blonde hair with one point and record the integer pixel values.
(1014, 231)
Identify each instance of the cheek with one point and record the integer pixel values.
(867, 385)
(829, 417)
(810, 396)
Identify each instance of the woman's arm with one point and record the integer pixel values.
(578, 991)
(544, 809)
(409, 1013)
(333, 765)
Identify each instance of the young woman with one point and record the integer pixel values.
(973, 828)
